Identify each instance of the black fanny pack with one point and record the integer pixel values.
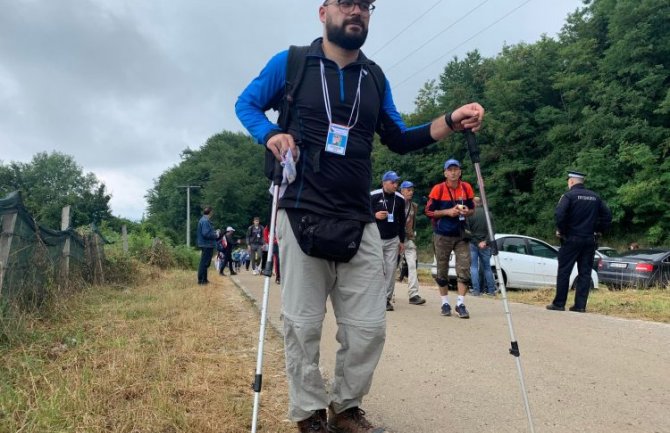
(466, 234)
(327, 237)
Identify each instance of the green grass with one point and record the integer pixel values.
(166, 356)
(648, 304)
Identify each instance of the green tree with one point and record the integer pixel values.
(51, 181)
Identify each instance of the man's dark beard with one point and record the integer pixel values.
(339, 36)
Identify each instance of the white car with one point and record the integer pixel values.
(526, 263)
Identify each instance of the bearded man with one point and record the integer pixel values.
(338, 106)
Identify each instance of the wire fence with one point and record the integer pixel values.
(37, 262)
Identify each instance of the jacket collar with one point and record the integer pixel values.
(316, 50)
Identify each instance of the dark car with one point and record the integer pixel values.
(637, 268)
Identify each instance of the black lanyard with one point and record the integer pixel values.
(451, 196)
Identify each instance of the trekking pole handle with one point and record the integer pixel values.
(473, 146)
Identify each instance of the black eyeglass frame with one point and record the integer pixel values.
(371, 7)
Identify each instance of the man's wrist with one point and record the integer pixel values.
(449, 121)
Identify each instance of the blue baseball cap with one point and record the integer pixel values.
(390, 175)
(406, 184)
(451, 162)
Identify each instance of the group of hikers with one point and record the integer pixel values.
(232, 252)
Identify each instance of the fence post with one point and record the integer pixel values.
(8, 226)
(64, 225)
(124, 237)
(99, 252)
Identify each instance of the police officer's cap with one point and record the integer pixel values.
(576, 175)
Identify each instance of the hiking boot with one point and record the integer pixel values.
(417, 300)
(462, 312)
(446, 310)
(389, 306)
(315, 423)
(350, 421)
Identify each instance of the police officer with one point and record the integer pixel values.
(580, 215)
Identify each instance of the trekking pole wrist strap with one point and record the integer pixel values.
(449, 121)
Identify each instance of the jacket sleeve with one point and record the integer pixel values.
(430, 206)
(561, 214)
(402, 219)
(256, 99)
(395, 134)
(208, 231)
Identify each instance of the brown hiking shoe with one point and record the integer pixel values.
(350, 421)
(314, 424)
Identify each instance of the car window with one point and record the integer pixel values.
(514, 245)
(541, 250)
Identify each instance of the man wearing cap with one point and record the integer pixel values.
(407, 191)
(255, 244)
(480, 251)
(449, 203)
(229, 249)
(337, 96)
(581, 215)
(388, 205)
(206, 241)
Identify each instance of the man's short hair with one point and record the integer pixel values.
(207, 210)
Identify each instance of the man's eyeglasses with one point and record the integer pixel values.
(347, 7)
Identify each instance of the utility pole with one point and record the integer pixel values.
(188, 211)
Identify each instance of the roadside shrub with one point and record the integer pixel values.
(185, 257)
(161, 255)
(121, 269)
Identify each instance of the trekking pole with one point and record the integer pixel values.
(473, 150)
(267, 272)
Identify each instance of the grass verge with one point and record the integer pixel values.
(644, 304)
(168, 356)
(647, 304)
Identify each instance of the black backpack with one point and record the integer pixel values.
(295, 69)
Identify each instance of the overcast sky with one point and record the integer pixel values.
(124, 86)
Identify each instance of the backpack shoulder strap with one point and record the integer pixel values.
(379, 78)
(295, 69)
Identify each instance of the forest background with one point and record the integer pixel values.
(595, 99)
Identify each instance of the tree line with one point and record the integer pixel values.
(594, 99)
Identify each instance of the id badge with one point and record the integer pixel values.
(336, 141)
(389, 217)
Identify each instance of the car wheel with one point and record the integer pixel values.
(495, 278)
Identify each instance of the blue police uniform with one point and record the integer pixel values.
(580, 214)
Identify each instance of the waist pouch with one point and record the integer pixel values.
(326, 237)
(466, 234)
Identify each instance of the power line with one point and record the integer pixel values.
(464, 42)
(435, 37)
(403, 30)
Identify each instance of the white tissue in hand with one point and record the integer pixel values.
(289, 171)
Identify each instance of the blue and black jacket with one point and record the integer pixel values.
(329, 184)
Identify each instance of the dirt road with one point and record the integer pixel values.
(583, 372)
